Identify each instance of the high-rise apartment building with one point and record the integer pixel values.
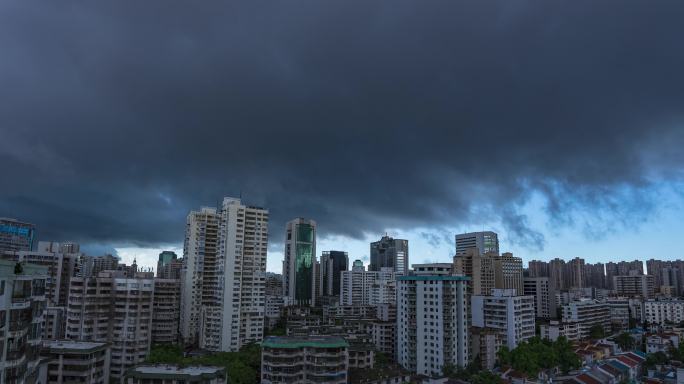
(96, 264)
(594, 275)
(389, 252)
(166, 311)
(16, 235)
(557, 274)
(508, 272)
(233, 300)
(544, 296)
(484, 242)
(114, 309)
(626, 268)
(333, 263)
(669, 281)
(668, 275)
(361, 287)
(432, 319)
(22, 307)
(200, 275)
(576, 272)
(508, 313)
(480, 269)
(60, 267)
(538, 268)
(299, 276)
(653, 268)
(635, 285)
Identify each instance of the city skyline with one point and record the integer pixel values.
(341, 192)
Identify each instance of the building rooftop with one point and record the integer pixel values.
(73, 346)
(301, 342)
(166, 371)
(433, 277)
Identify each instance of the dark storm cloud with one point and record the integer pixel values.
(119, 117)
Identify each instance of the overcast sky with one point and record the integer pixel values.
(556, 123)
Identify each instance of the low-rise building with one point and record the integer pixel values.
(587, 313)
(555, 329)
(664, 311)
(320, 359)
(486, 343)
(661, 342)
(173, 374)
(76, 362)
(361, 355)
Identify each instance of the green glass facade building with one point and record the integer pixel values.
(300, 262)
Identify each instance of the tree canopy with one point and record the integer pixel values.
(471, 373)
(625, 341)
(242, 367)
(597, 332)
(534, 355)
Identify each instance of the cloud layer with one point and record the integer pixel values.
(118, 118)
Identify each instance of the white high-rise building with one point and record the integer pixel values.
(299, 265)
(544, 296)
(361, 287)
(236, 317)
(432, 319)
(511, 315)
(199, 278)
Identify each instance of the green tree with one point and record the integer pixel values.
(567, 359)
(485, 377)
(449, 370)
(657, 358)
(504, 355)
(625, 341)
(597, 332)
(678, 353)
(381, 360)
(241, 367)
